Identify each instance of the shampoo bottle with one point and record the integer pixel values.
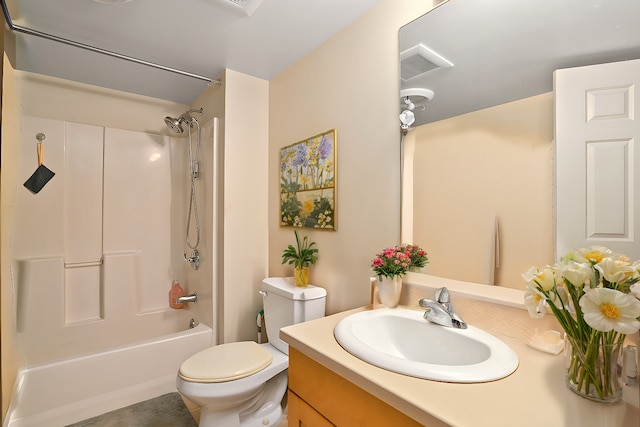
(175, 293)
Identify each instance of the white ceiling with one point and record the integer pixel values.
(503, 50)
(196, 36)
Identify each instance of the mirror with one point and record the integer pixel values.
(478, 160)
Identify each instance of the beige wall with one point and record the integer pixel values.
(60, 99)
(472, 169)
(241, 103)
(245, 193)
(350, 83)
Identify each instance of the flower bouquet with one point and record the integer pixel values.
(591, 294)
(390, 265)
(397, 260)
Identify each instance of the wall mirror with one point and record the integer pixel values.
(478, 160)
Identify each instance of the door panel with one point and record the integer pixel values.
(597, 178)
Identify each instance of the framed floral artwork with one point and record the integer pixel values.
(308, 183)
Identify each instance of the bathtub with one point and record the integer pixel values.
(77, 388)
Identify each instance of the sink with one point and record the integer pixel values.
(400, 340)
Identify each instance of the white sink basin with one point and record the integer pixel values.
(400, 340)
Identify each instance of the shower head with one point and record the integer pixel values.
(176, 124)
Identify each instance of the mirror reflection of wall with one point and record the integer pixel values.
(483, 144)
(483, 192)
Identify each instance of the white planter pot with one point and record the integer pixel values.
(389, 290)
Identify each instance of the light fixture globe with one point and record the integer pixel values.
(406, 119)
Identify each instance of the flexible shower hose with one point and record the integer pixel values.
(193, 201)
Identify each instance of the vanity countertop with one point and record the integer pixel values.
(534, 395)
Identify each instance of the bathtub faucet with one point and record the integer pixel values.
(188, 298)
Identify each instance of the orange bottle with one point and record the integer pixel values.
(175, 293)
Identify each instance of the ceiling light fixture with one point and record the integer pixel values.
(410, 105)
(410, 99)
(406, 119)
(416, 97)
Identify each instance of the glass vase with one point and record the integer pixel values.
(301, 276)
(389, 290)
(592, 367)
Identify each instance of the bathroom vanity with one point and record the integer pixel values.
(329, 386)
(312, 385)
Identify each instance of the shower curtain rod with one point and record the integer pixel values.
(25, 30)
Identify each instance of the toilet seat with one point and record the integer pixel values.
(225, 362)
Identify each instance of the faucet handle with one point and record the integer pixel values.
(442, 295)
(194, 259)
(425, 302)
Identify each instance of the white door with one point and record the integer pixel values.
(597, 163)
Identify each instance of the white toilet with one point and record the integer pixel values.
(243, 383)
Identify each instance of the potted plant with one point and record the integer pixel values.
(301, 257)
(391, 265)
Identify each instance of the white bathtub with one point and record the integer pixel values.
(74, 389)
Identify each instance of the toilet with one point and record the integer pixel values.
(243, 383)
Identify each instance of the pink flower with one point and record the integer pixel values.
(397, 260)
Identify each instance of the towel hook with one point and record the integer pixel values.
(41, 136)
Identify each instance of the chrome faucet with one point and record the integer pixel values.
(188, 298)
(441, 311)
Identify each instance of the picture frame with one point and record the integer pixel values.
(308, 182)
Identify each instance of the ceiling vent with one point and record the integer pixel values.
(419, 59)
(248, 6)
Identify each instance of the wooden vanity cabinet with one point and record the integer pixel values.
(301, 414)
(319, 397)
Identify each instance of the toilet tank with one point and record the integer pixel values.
(286, 304)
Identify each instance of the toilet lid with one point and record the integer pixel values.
(225, 362)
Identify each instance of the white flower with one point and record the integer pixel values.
(534, 301)
(606, 309)
(635, 289)
(592, 255)
(545, 278)
(615, 271)
(530, 274)
(576, 273)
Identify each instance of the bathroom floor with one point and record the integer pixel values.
(169, 410)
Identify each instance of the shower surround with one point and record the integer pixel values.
(94, 253)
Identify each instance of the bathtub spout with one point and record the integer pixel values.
(188, 298)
